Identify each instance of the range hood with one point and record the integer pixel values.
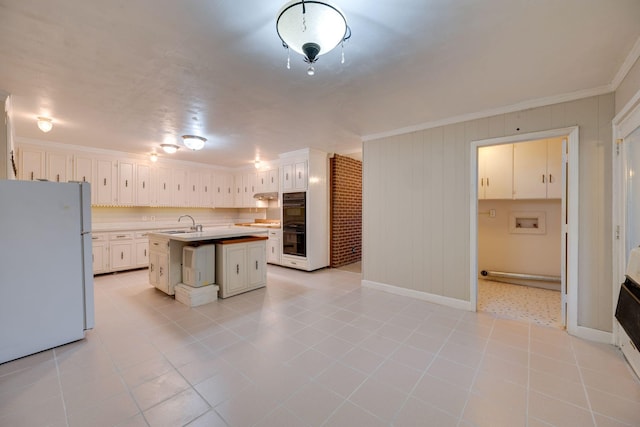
(266, 196)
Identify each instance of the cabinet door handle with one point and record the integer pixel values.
(299, 175)
(178, 187)
(237, 268)
(272, 180)
(194, 188)
(550, 178)
(229, 190)
(151, 267)
(286, 176)
(218, 190)
(256, 264)
(31, 176)
(543, 178)
(164, 185)
(161, 273)
(205, 188)
(58, 178)
(143, 185)
(120, 236)
(104, 182)
(126, 183)
(487, 182)
(481, 182)
(145, 252)
(84, 179)
(121, 255)
(273, 250)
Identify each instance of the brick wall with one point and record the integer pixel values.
(346, 210)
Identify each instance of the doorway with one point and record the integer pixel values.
(531, 219)
(520, 214)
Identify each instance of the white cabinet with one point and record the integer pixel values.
(537, 167)
(274, 247)
(180, 183)
(193, 189)
(165, 263)
(495, 172)
(83, 168)
(100, 252)
(58, 167)
(143, 185)
(249, 181)
(206, 190)
(267, 181)
(121, 251)
(294, 176)
(126, 190)
(240, 265)
(141, 244)
(104, 186)
(165, 186)
(224, 190)
(31, 164)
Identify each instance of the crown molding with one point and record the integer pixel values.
(629, 61)
(521, 106)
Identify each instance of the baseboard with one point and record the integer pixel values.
(592, 334)
(436, 299)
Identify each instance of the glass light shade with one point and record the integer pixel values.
(193, 142)
(323, 24)
(45, 124)
(169, 148)
(153, 157)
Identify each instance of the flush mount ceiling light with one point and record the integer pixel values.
(153, 157)
(193, 142)
(311, 28)
(45, 124)
(257, 163)
(169, 148)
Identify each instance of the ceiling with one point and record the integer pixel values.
(128, 75)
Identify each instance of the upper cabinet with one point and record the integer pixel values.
(126, 189)
(31, 164)
(143, 185)
(104, 188)
(537, 169)
(495, 172)
(294, 176)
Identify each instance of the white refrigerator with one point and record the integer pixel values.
(46, 273)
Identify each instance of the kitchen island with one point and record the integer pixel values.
(165, 257)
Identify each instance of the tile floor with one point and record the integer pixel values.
(526, 303)
(313, 349)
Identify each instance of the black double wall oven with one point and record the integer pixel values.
(294, 227)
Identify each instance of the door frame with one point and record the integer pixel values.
(572, 200)
(624, 124)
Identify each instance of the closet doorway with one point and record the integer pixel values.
(522, 249)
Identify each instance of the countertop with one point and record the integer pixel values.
(211, 233)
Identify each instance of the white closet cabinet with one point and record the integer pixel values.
(495, 172)
(537, 169)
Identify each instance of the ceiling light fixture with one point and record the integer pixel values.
(257, 163)
(311, 28)
(45, 124)
(193, 142)
(169, 148)
(153, 157)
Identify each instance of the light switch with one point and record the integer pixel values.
(492, 213)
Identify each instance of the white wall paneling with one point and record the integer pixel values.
(406, 219)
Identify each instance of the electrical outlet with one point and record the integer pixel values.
(492, 213)
(153, 217)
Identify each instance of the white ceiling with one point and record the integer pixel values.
(129, 74)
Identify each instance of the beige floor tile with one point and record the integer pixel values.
(238, 412)
(159, 389)
(179, 410)
(363, 360)
(48, 411)
(626, 387)
(350, 415)
(441, 394)
(282, 417)
(222, 386)
(341, 379)
(109, 412)
(508, 394)
(312, 362)
(559, 388)
(557, 412)
(487, 412)
(614, 407)
(412, 357)
(399, 376)
(554, 367)
(313, 404)
(417, 413)
(208, 419)
(379, 399)
(452, 372)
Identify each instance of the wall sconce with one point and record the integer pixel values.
(45, 124)
(169, 148)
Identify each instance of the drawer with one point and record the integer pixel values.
(275, 234)
(121, 236)
(141, 235)
(159, 245)
(300, 263)
(99, 237)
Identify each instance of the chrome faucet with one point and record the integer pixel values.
(194, 227)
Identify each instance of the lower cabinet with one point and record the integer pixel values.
(165, 263)
(121, 251)
(274, 247)
(240, 265)
(141, 249)
(158, 270)
(100, 252)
